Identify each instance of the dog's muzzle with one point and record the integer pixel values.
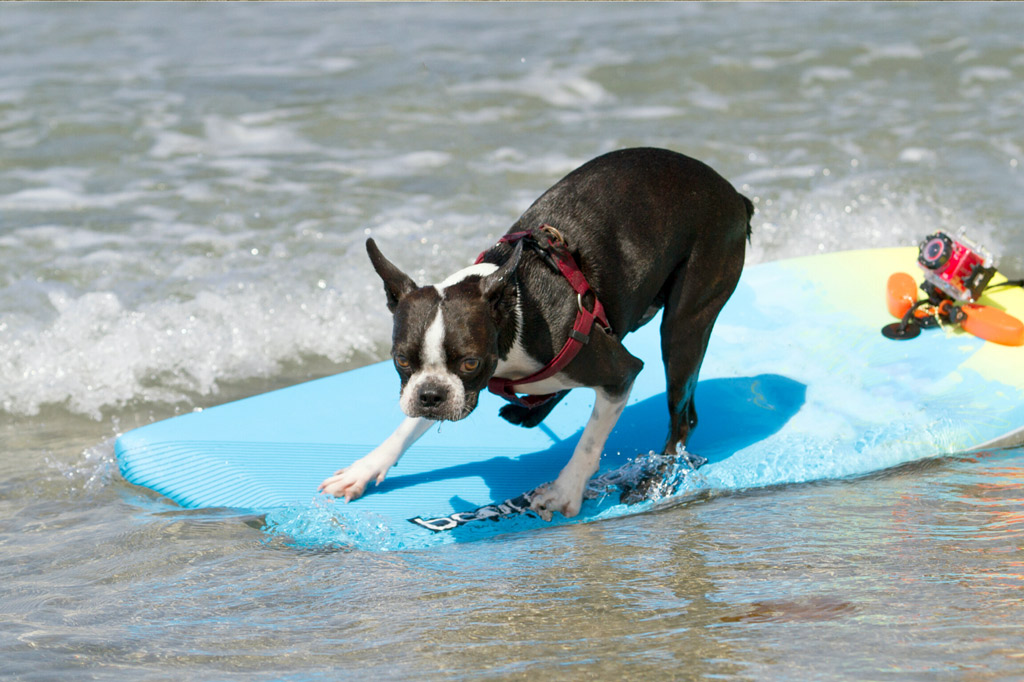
(438, 397)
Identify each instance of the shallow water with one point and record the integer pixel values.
(184, 192)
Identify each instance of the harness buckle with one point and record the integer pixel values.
(553, 233)
(579, 304)
(592, 313)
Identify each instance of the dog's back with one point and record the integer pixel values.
(635, 217)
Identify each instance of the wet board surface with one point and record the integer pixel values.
(798, 385)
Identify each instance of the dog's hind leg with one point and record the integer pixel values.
(694, 301)
(691, 308)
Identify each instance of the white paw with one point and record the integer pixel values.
(555, 497)
(351, 481)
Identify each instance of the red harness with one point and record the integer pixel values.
(551, 244)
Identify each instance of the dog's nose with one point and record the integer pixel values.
(432, 396)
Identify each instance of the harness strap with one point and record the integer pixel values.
(551, 244)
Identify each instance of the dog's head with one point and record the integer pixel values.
(445, 338)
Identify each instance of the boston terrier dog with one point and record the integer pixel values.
(545, 310)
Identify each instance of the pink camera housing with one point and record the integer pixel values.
(956, 267)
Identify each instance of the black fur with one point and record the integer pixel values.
(650, 228)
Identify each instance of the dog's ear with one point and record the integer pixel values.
(493, 285)
(396, 283)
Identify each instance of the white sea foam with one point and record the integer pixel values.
(704, 98)
(984, 74)
(60, 188)
(403, 164)
(647, 113)
(918, 155)
(486, 115)
(889, 52)
(557, 86)
(508, 160)
(825, 74)
(97, 354)
(225, 137)
(59, 199)
(763, 175)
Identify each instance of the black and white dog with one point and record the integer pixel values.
(626, 234)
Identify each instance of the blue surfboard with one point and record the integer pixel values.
(798, 385)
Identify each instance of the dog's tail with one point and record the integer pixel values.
(750, 213)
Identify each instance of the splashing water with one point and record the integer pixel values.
(653, 477)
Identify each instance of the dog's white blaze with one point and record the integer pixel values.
(433, 342)
(434, 369)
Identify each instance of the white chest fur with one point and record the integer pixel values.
(521, 364)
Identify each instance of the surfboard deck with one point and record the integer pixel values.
(798, 384)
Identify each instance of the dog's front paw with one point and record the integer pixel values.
(351, 481)
(553, 497)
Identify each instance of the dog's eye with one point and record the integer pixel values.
(470, 365)
(402, 361)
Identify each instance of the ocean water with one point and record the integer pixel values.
(184, 195)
